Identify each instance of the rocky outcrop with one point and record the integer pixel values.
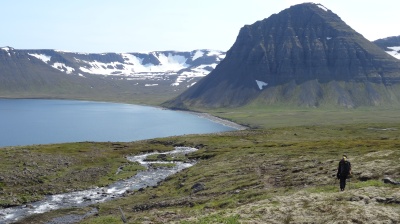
(305, 55)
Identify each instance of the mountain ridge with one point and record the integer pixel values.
(47, 73)
(298, 54)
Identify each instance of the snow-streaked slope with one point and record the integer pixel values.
(183, 66)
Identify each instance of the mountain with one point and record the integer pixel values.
(303, 56)
(54, 73)
(391, 45)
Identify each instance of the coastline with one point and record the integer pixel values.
(219, 120)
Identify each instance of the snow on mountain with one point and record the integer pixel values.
(322, 7)
(183, 66)
(7, 49)
(394, 51)
(42, 57)
(62, 67)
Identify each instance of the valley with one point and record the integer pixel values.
(308, 87)
(258, 175)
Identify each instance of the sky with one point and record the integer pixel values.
(99, 26)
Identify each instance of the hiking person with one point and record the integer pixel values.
(344, 171)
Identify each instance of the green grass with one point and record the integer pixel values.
(275, 116)
(237, 169)
(30, 172)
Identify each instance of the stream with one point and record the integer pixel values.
(149, 177)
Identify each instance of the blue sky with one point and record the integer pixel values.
(154, 25)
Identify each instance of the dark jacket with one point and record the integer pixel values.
(344, 169)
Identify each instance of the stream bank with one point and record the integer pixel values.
(149, 177)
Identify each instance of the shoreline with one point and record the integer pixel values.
(219, 120)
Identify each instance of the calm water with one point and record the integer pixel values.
(32, 121)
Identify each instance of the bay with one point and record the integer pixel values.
(41, 121)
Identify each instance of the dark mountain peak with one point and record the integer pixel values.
(288, 57)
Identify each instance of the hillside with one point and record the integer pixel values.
(148, 78)
(303, 56)
(391, 45)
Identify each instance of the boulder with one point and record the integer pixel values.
(198, 187)
(367, 175)
(388, 180)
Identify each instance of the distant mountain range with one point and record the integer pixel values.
(53, 73)
(391, 45)
(303, 56)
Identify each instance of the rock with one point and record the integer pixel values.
(380, 199)
(86, 198)
(388, 180)
(162, 156)
(356, 198)
(198, 187)
(367, 175)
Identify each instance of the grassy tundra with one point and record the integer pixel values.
(282, 170)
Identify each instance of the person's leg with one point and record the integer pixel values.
(342, 184)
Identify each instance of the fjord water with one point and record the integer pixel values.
(38, 121)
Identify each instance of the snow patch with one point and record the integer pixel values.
(172, 62)
(261, 84)
(62, 67)
(328, 38)
(133, 65)
(7, 49)
(191, 84)
(322, 7)
(151, 85)
(99, 68)
(197, 55)
(42, 57)
(395, 51)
